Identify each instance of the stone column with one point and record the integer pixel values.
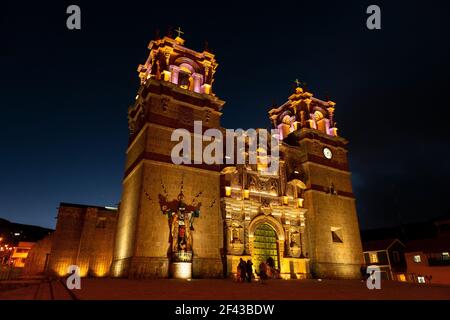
(197, 82)
(284, 130)
(174, 72)
(250, 245)
(246, 239)
(308, 103)
(281, 250)
(302, 233)
(287, 240)
(302, 249)
(228, 235)
(331, 115)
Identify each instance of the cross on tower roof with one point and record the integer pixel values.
(179, 32)
(297, 82)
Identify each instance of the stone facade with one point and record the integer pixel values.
(210, 216)
(314, 153)
(84, 236)
(143, 241)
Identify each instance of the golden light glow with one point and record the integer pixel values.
(228, 170)
(228, 191)
(261, 166)
(286, 200)
(402, 277)
(182, 270)
(297, 183)
(179, 40)
(207, 88)
(165, 75)
(300, 202)
(61, 268)
(246, 193)
(101, 270)
(256, 192)
(183, 68)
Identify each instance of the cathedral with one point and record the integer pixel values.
(198, 220)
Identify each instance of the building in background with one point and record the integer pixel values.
(5, 251)
(428, 260)
(20, 254)
(426, 250)
(16, 243)
(389, 256)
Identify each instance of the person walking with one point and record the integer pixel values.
(241, 270)
(363, 271)
(249, 270)
(262, 272)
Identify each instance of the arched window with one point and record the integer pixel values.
(185, 79)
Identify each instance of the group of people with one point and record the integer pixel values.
(266, 270)
(244, 271)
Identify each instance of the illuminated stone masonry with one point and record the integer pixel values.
(253, 201)
(83, 237)
(199, 220)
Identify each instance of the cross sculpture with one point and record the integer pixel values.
(179, 32)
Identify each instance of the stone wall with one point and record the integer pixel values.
(331, 208)
(142, 247)
(37, 259)
(84, 237)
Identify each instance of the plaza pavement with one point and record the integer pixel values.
(224, 289)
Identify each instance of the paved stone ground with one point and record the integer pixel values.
(211, 289)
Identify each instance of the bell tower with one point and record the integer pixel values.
(168, 213)
(312, 149)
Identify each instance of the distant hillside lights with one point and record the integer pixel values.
(251, 146)
(5, 252)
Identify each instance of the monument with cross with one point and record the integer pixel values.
(179, 32)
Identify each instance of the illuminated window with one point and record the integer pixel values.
(417, 259)
(373, 257)
(184, 80)
(421, 279)
(445, 256)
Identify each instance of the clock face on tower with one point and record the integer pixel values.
(327, 153)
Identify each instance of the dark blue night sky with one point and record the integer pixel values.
(64, 94)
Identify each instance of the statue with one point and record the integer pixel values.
(181, 220)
